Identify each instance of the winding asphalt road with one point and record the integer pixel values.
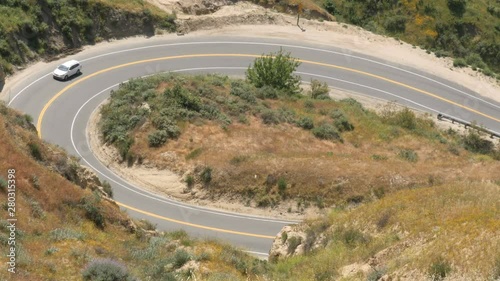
(61, 110)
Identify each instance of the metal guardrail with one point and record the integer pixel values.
(492, 134)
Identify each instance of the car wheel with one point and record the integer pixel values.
(66, 77)
(78, 71)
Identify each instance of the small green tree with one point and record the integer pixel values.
(319, 90)
(275, 70)
(457, 7)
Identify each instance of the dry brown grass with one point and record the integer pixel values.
(43, 258)
(458, 223)
(243, 156)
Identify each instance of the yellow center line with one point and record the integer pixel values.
(194, 225)
(42, 113)
(51, 101)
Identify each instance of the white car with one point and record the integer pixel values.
(67, 69)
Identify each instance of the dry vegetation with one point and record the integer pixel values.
(450, 230)
(62, 227)
(262, 162)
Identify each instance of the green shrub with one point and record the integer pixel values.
(473, 142)
(106, 186)
(157, 138)
(408, 155)
(330, 7)
(236, 160)
(459, 62)
(3, 183)
(190, 181)
(340, 121)
(457, 7)
(60, 234)
(181, 257)
(475, 60)
(264, 201)
(194, 153)
(36, 209)
(270, 117)
(378, 157)
(351, 237)
(51, 251)
(309, 104)
(245, 91)
(106, 270)
(396, 24)
(306, 123)
(93, 211)
(267, 92)
(275, 70)
(319, 90)
(284, 237)
(293, 243)
(35, 151)
(439, 269)
(206, 175)
(151, 251)
(326, 131)
(35, 181)
(406, 119)
(282, 185)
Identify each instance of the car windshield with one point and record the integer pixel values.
(63, 68)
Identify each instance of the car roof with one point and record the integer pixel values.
(70, 63)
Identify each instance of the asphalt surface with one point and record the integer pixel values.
(65, 117)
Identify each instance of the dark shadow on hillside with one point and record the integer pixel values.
(2, 84)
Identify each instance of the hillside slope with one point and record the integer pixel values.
(58, 223)
(450, 230)
(30, 30)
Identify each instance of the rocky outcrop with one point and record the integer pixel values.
(202, 7)
(288, 242)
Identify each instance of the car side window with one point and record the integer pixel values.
(72, 67)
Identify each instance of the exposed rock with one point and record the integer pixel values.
(288, 242)
(86, 178)
(145, 106)
(130, 225)
(355, 268)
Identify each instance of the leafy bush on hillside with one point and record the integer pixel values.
(319, 90)
(93, 210)
(473, 142)
(457, 7)
(306, 123)
(275, 70)
(340, 121)
(157, 138)
(28, 29)
(439, 269)
(451, 27)
(326, 131)
(106, 270)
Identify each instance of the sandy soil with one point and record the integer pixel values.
(255, 21)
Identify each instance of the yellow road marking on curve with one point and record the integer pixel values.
(195, 225)
(49, 103)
